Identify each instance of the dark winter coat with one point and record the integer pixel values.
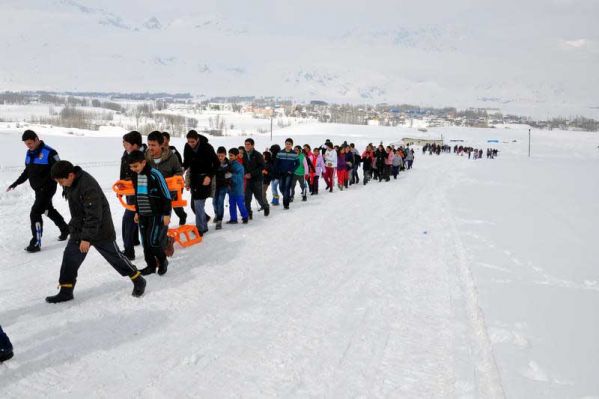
(349, 160)
(286, 163)
(38, 164)
(253, 163)
(269, 168)
(223, 174)
(152, 196)
(91, 219)
(201, 162)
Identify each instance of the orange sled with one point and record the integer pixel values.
(176, 184)
(186, 235)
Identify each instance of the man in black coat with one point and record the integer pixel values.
(38, 163)
(201, 163)
(253, 162)
(90, 225)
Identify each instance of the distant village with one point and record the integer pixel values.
(142, 111)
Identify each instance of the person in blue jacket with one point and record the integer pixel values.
(39, 160)
(236, 194)
(286, 164)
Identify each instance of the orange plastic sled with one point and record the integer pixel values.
(176, 184)
(186, 235)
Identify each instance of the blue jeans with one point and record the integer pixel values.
(201, 222)
(218, 202)
(274, 187)
(285, 185)
(237, 201)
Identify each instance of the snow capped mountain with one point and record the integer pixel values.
(292, 51)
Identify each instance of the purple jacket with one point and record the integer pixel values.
(341, 164)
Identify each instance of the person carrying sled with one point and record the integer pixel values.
(153, 208)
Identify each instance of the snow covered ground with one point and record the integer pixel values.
(463, 278)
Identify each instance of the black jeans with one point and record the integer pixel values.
(254, 187)
(153, 238)
(43, 205)
(72, 259)
(130, 229)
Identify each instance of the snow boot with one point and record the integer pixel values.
(304, 198)
(32, 248)
(232, 222)
(146, 271)
(251, 215)
(65, 294)
(244, 221)
(139, 285)
(163, 268)
(266, 211)
(5, 347)
(275, 200)
(219, 225)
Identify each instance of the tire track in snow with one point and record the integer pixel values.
(488, 377)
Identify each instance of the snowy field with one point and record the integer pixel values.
(463, 278)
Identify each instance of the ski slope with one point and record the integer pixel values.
(463, 278)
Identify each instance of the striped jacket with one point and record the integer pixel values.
(151, 193)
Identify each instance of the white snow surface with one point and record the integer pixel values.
(462, 278)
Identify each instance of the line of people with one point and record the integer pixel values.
(242, 174)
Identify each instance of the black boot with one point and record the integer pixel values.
(5, 354)
(5, 347)
(148, 270)
(267, 211)
(163, 267)
(31, 248)
(139, 285)
(219, 225)
(65, 294)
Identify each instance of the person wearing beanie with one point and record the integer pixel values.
(39, 160)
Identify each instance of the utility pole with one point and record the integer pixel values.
(529, 143)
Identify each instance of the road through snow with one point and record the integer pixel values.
(365, 292)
